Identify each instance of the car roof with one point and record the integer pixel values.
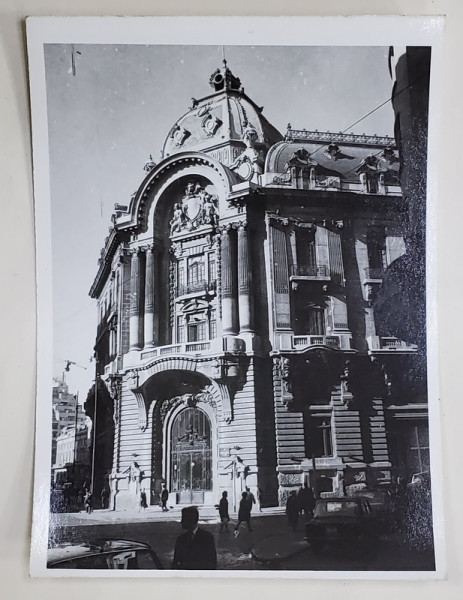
(69, 550)
(342, 499)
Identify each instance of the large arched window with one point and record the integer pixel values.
(191, 460)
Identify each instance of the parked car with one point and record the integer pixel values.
(107, 554)
(381, 504)
(348, 521)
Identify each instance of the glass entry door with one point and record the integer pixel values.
(191, 465)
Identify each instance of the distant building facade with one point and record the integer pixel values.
(73, 458)
(66, 412)
(237, 343)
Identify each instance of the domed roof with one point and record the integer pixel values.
(219, 120)
(341, 155)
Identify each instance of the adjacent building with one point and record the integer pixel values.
(238, 343)
(66, 412)
(72, 463)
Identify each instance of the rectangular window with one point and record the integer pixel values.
(318, 435)
(195, 272)
(376, 246)
(212, 272)
(316, 320)
(419, 448)
(197, 332)
(213, 330)
(305, 250)
(180, 279)
(180, 330)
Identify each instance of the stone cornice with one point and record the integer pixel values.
(112, 243)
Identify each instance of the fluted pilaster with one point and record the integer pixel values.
(135, 300)
(229, 282)
(149, 298)
(244, 281)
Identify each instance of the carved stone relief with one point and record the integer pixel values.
(197, 208)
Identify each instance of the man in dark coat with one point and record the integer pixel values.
(244, 512)
(307, 501)
(223, 513)
(292, 510)
(195, 549)
(164, 498)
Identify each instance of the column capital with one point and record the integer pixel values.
(152, 248)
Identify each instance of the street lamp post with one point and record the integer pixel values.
(92, 483)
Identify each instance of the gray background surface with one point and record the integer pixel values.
(17, 307)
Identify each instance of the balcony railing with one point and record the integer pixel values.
(309, 271)
(374, 273)
(330, 341)
(184, 348)
(392, 343)
(197, 287)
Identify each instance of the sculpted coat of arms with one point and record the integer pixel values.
(196, 208)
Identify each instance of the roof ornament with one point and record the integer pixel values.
(389, 156)
(223, 79)
(149, 165)
(249, 164)
(333, 152)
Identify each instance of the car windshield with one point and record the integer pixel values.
(345, 508)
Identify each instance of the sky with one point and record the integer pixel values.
(116, 108)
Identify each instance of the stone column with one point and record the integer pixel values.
(244, 281)
(229, 282)
(135, 300)
(149, 298)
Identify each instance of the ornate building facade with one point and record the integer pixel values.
(237, 343)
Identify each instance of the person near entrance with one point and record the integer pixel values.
(244, 512)
(251, 498)
(292, 510)
(223, 513)
(306, 500)
(164, 498)
(194, 549)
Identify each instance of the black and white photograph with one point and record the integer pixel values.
(235, 301)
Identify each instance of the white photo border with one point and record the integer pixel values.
(272, 31)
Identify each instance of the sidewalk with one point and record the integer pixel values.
(207, 514)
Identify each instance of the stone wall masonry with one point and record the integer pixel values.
(241, 431)
(378, 432)
(132, 439)
(347, 430)
(289, 427)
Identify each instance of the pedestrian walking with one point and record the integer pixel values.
(223, 513)
(244, 512)
(88, 502)
(104, 497)
(306, 500)
(251, 498)
(143, 502)
(164, 498)
(292, 510)
(194, 549)
(260, 498)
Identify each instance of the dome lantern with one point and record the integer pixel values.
(223, 79)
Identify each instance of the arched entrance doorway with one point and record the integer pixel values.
(191, 456)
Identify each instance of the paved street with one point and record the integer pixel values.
(271, 544)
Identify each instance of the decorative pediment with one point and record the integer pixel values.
(195, 305)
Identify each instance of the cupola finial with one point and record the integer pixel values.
(223, 79)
